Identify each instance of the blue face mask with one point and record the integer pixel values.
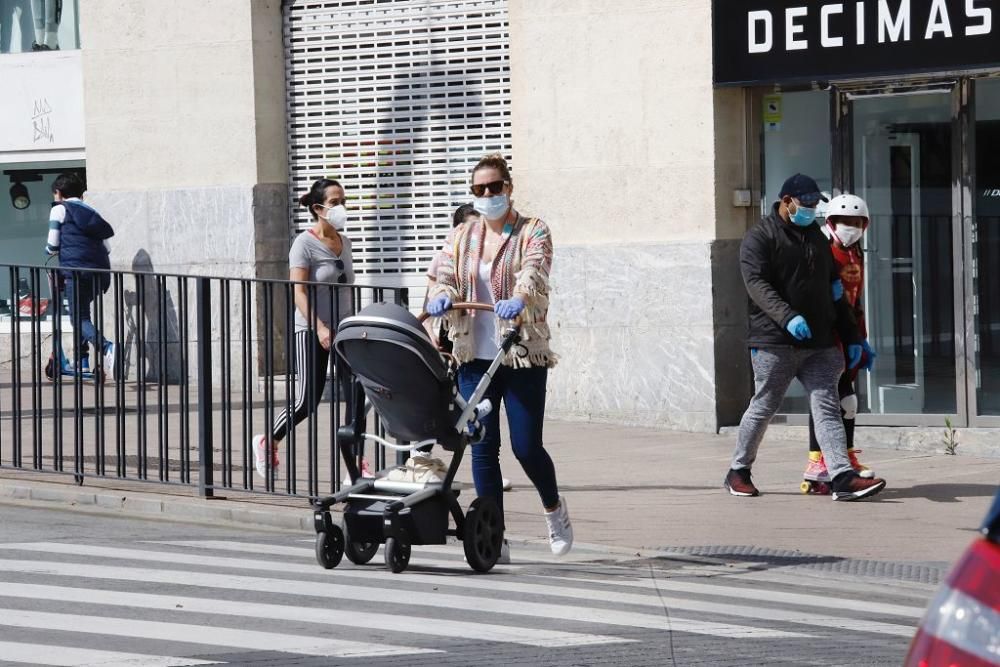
(492, 208)
(803, 217)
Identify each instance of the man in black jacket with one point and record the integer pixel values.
(797, 314)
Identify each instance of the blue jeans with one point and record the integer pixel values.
(523, 393)
(80, 291)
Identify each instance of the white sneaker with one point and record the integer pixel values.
(504, 558)
(506, 484)
(110, 359)
(560, 529)
(258, 449)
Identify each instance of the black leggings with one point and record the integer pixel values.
(309, 382)
(845, 388)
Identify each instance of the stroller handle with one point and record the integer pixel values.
(468, 305)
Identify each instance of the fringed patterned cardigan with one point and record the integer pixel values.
(520, 268)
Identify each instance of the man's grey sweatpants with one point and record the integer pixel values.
(818, 371)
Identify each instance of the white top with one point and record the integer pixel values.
(484, 325)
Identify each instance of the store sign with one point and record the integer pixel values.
(788, 41)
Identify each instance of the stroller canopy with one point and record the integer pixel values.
(403, 374)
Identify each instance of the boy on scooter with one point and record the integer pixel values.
(78, 235)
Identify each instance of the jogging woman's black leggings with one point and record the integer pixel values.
(310, 366)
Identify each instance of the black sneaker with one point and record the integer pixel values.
(852, 486)
(739, 483)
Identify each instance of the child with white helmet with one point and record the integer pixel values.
(846, 221)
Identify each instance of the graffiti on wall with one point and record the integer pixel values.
(41, 121)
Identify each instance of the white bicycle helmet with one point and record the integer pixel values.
(847, 205)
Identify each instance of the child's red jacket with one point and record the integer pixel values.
(850, 265)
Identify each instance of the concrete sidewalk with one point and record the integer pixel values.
(648, 490)
(663, 490)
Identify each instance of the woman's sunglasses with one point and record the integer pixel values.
(494, 188)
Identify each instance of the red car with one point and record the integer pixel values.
(961, 627)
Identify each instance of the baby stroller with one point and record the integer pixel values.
(412, 387)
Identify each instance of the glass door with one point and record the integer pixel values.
(984, 224)
(902, 148)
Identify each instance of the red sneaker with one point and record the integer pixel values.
(852, 486)
(739, 483)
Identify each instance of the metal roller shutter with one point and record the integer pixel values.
(396, 99)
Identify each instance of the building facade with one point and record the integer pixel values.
(41, 124)
(649, 134)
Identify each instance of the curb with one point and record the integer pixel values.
(145, 505)
(222, 512)
(261, 517)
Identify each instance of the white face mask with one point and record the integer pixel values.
(492, 208)
(848, 236)
(336, 216)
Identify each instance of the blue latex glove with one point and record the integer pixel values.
(438, 306)
(854, 355)
(799, 328)
(871, 355)
(509, 308)
(838, 289)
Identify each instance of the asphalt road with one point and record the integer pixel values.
(82, 588)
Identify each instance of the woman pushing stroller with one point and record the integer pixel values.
(503, 260)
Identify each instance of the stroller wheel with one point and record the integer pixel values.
(483, 534)
(397, 554)
(358, 553)
(330, 547)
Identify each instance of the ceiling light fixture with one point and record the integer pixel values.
(19, 196)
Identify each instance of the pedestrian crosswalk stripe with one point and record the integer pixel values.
(427, 625)
(745, 593)
(200, 634)
(918, 592)
(398, 597)
(492, 584)
(303, 552)
(68, 656)
(537, 556)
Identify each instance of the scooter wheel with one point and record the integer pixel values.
(330, 547)
(397, 554)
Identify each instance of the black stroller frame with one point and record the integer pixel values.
(377, 510)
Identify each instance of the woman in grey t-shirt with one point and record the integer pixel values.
(323, 255)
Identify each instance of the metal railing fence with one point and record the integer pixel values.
(201, 364)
